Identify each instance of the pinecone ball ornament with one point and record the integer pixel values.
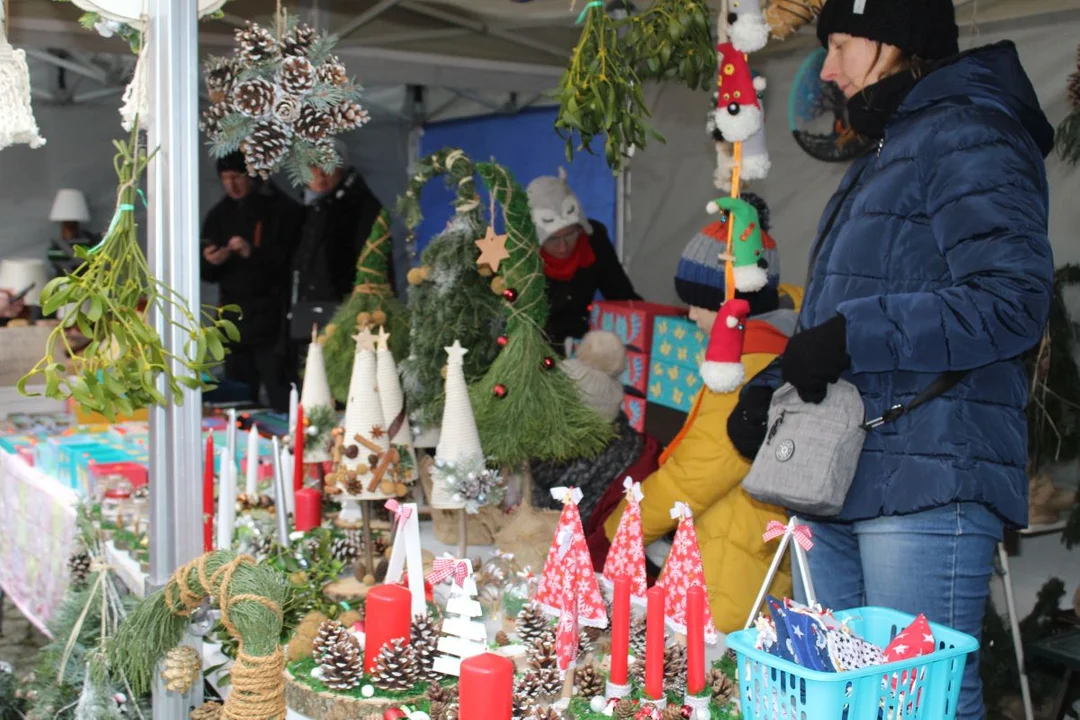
(588, 682)
(297, 75)
(331, 632)
(342, 665)
(313, 125)
(256, 45)
(183, 666)
(299, 40)
(287, 109)
(348, 115)
(332, 72)
(395, 670)
(265, 147)
(79, 568)
(221, 75)
(254, 98)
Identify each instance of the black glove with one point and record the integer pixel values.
(815, 358)
(749, 421)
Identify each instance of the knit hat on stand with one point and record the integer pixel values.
(699, 277)
(554, 206)
(599, 360)
(923, 28)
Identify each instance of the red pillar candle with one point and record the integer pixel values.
(298, 450)
(620, 630)
(695, 640)
(308, 509)
(388, 610)
(487, 687)
(208, 496)
(654, 644)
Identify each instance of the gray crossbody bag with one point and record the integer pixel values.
(811, 451)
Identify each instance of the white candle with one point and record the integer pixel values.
(251, 486)
(230, 434)
(226, 503)
(281, 492)
(290, 491)
(294, 402)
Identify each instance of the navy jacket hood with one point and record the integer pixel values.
(992, 76)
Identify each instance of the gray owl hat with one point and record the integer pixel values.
(554, 206)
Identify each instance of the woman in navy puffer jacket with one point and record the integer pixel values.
(932, 257)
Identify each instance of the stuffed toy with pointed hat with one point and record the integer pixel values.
(722, 370)
(746, 26)
(738, 110)
(747, 246)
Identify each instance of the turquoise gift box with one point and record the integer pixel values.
(678, 348)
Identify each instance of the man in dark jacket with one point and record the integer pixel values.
(340, 210)
(579, 258)
(246, 238)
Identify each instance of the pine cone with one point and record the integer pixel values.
(343, 665)
(723, 688)
(254, 98)
(221, 74)
(348, 115)
(297, 75)
(637, 637)
(522, 705)
(585, 643)
(332, 72)
(256, 45)
(424, 638)
(441, 693)
(531, 624)
(626, 709)
(438, 710)
(394, 670)
(674, 712)
(287, 109)
(353, 486)
(298, 40)
(265, 147)
(543, 713)
(502, 639)
(345, 550)
(79, 568)
(183, 665)
(675, 668)
(206, 711)
(588, 682)
(331, 632)
(636, 671)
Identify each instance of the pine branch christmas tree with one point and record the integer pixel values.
(395, 668)
(371, 304)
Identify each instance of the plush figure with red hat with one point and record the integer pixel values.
(746, 26)
(738, 110)
(722, 370)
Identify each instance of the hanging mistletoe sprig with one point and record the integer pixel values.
(108, 300)
(600, 93)
(673, 40)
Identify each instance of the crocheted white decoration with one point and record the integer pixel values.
(17, 124)
(137, 94)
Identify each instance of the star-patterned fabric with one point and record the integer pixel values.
(913, 641)
(569, 554)
(682, 571)
(626, 558)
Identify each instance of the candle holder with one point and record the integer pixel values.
(697, 702)
(658, 704)
(616, 692)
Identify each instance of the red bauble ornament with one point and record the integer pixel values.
(502, 340)
(548, 363)
(511, 295)
(394, 713)
(499, 391)
(686, 711)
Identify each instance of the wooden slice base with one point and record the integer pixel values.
(330, 706)
(347, 589)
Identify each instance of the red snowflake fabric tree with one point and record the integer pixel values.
(567, 636)
(569, 554)
(626, 558)
(682, 571)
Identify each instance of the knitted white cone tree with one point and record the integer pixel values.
(458, 451)
(315, 394)
(17, 123)
(365, 440)
(393, 408)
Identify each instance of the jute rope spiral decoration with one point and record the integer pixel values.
(250, 598)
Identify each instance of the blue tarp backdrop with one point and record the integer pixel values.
(528, 146)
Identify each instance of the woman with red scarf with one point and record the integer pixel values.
(579, 258)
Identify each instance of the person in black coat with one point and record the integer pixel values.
(246, 241)
(340, 211)
(579, 258)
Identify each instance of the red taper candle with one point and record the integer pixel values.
(388, 610)
(487, 687)
(620, 630)
(654, 644)
(308, 509)
(695, 640)
(298, 450)
(208, 496)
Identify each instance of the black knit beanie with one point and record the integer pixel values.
(923, 28)
(233, 162)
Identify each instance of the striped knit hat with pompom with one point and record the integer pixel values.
(699, 277)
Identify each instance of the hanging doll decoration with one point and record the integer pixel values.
(738, 111)
(746, 26)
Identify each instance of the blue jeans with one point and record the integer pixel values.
(936, 562)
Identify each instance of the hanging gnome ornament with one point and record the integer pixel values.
(738, 111)
(682, 571)
(746, 27)
(747, 245)
(626, 558)
(17, 123)
(365, 437)
(569, 554)
(722, 370)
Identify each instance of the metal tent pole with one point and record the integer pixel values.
(172, 245)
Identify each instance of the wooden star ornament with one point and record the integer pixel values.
(492, 249)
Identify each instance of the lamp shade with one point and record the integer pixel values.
(17, 273)
(69, 206)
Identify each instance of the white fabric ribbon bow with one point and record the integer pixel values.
(567, 495)
(681, 511)
(633, 490)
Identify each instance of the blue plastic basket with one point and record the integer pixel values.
(775, 689)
